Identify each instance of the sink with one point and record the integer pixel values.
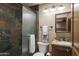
(62, 43)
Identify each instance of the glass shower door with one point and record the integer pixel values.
(28, 27)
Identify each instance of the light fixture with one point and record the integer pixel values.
(61, 8)
(52, 9)
(46, 10)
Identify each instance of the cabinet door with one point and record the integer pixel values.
(61, 51)
(58, 51)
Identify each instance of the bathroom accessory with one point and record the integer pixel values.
(32, 43)
(42, 49)
(45, 33)
(45, 30)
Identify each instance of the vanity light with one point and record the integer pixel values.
(61, 8)
(46, 10)
(52, 9)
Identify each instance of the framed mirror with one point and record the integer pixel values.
(63, 22)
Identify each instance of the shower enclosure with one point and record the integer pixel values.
(28, 27)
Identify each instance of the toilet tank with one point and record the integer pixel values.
(42, 47)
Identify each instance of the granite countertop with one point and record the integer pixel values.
(62, 43)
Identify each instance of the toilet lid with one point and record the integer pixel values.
(38, 54)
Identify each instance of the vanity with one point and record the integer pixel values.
(62, 45)
(61, 48)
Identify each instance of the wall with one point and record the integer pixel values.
(49, 19)
(11, 20)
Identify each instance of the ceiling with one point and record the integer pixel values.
(30, 4)
(33, 4)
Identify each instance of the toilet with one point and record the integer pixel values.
(42, 49)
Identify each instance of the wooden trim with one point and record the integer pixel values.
(37, 29)
(37, 23)
(73, 24)
(55, 23)
(75, 48)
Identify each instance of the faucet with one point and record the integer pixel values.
(62, 38)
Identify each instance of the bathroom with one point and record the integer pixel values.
(39, 29)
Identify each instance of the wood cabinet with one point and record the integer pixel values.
(61, 51)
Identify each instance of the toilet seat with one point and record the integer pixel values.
(38, 54)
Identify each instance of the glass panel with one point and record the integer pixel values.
(28, 27)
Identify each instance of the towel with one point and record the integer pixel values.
(32, 43)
